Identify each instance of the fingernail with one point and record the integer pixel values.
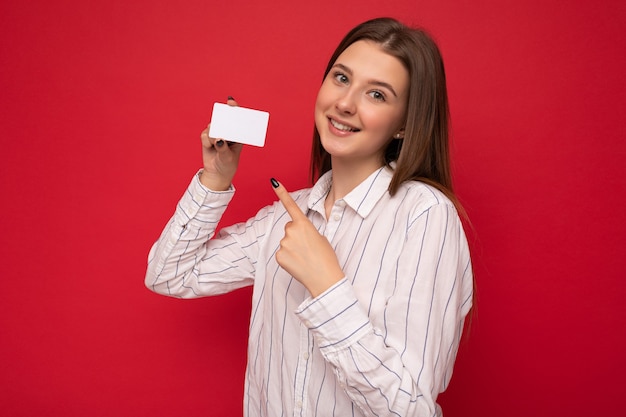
(219, 143)
(231, 98)
(275, 183)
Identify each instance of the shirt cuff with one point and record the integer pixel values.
(335, 317)
(200, 207)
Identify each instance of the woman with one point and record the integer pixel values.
(361, 283)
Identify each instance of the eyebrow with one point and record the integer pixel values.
(373, 82)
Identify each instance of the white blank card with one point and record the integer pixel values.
(239, 124)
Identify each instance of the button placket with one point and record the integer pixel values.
(336, 214)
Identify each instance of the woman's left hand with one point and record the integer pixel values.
(304, 252)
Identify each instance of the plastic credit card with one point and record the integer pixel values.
(239, 124)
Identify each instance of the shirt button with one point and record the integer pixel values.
(336, 217)
(306, 356)
(299, 404)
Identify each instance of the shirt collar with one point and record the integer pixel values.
(362, 199)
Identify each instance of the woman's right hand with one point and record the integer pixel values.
(220, 159)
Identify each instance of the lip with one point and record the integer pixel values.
(339, 132)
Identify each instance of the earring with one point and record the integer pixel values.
(398, 135)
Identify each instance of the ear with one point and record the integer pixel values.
(399, 134)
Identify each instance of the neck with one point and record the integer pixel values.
(346, 177)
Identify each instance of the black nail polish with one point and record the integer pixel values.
(219, 143)
(231, 98)
(275, 183)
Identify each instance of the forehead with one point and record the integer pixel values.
(367, 59)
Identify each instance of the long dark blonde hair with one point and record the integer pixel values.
(423, 154)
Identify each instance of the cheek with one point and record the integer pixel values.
(323, 98)
(319, 117)
(323, 102)
(390, 121)
(380, 121)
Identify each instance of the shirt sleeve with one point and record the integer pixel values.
(400, 370)
(189, 260)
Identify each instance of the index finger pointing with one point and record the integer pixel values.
(290, 205)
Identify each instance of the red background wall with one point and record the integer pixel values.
(101, 106)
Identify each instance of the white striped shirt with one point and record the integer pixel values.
(381, 342)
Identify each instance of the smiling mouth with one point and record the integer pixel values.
(342, 127)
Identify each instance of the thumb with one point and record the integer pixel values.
(231, 101)
(290, 205)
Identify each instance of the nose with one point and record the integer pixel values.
(346, 103)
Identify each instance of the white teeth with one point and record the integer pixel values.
(342, 127)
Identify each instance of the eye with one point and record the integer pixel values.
(377, 95)
(340, 77)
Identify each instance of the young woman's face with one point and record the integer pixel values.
(361, 104)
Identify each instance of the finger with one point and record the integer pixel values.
(208, 141)
(225, 147)
(231, 101)
(211, 142)
(290, 205)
